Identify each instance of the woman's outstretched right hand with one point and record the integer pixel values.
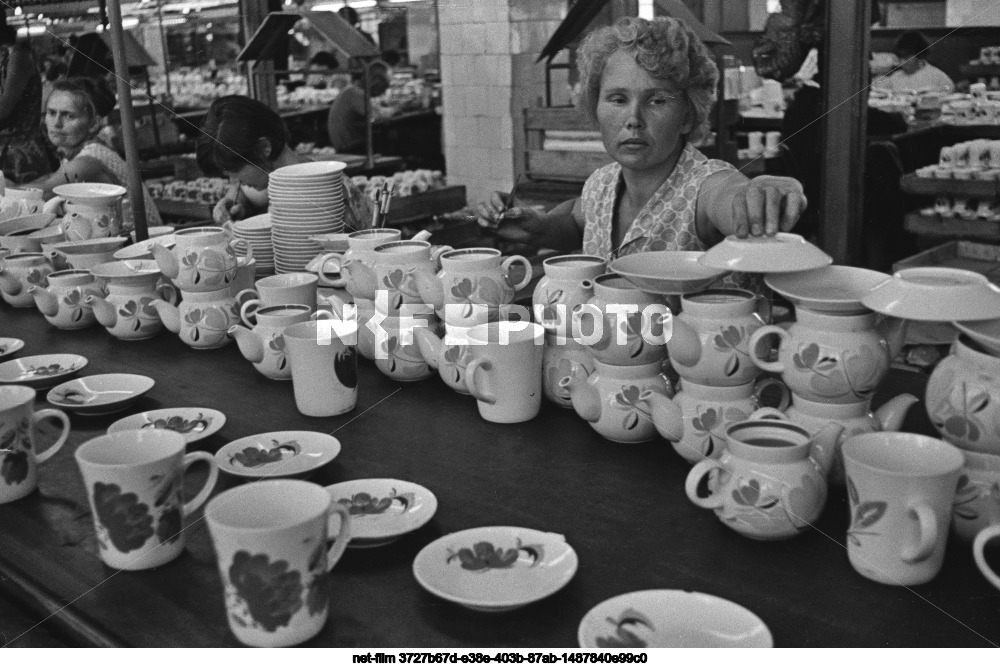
(511, 222)
(232, 206)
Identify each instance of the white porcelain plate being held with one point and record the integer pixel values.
(666, 272)
(830, 289)
(936, 294)
(193, 423)
(41, 371)
(100, 394)
(497, 568)
(277, 454)
(781, 253)
(383, 510)
(672, 619)
(10, 346)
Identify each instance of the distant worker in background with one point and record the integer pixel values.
(914, 73)
(350, 15)
(346, 122)
(322, 67)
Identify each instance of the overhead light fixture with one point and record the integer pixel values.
(18, 11)
(174, 20)
(33, 30)
(364, 4)
(130, 22)
(328, 7)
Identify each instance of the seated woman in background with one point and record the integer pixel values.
(914, 73)
(650, 85)
(346, 123)
(74, 116)
(245, 140)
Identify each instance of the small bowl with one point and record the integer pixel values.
(26, 224)
(985, 332)
(672, 619)
(90, 246)
(141, 249)
(830, 289)
(51, 235)
(936, 294)
(781, 253)
(336, 242)
(100, 394)
(666, 272)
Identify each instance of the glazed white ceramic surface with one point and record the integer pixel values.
(100, 394)
(193, 423)
(781, 253)
(41, 371)
(383, 510)
(277, 454)
(667, 271)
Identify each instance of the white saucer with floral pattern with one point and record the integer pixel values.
(193, 423)
(383, 510)
(9, 346)
(41, 371)
(672, 619)
(277, 454)
(100, 394)
(496, 568)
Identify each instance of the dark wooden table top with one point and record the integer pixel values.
(622, 508)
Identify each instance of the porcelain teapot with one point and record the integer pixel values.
(856, 418)
(832, 358)
(89, 210)
(126, 312)
(963, 398)
(608, 398)
(709, 343)
(19, 272)
(696, 418)
(64, 303)
(262, 344)
(203, 259)
(202, 320)
(561, 288)
(770, 482)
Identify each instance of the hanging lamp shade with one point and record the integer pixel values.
(584, 11)
(340, 34)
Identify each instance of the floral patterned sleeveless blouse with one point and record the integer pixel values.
(666, 222)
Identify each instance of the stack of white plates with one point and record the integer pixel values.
(305, 200)
(257, 232)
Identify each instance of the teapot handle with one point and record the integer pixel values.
(517, 259)
(576, 318)
(702, 468)
(163, 290)
(927, 534)
(242, 244)
(321, 263)
(664, 320)
(978, 546)
(757, 337)
(246, 314)
(767, 413)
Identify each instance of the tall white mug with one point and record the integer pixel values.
(505, 374)
(324, 360)
(19, 457)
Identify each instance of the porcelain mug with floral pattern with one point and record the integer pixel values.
(901, 489)
(271, 540)
(135, 484)
(505, 374)
(471, 283)
(276, 290)
(324, 360)
(19, 457)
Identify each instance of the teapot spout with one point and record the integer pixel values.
(684, 346)
(169, 314)
(585, 397)
(823, 446)
(668, 417)
(893, 329)
(430, 345)
(46, 301)
(249, 343)
(891, 415)
(165, 260)
(103, 311)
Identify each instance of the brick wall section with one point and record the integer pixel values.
(488, 73)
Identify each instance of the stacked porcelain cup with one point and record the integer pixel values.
(305, 200)
(622, 326)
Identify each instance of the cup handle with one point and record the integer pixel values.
(978, 547)
(163, 290)
(702, 468)
(321, 266)
(437, 251)
(762, 386)
(518, 259)
(664, 320)
(242, 244)
(928, 532)
(245, 314)
(343, 538)
(206, 490)
(757, 337)
(58, 415)
(323, 315)
(473, 385)
(247, 292)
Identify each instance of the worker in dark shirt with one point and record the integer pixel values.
(346, 123)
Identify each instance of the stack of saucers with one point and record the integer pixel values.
(305, 200)
(257, 232)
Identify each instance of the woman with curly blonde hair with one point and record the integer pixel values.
(650, 86)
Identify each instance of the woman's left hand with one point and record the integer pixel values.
(767, 205)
